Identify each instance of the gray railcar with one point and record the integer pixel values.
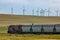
(45, 29)
(57, 28)
(36, 28)
(26, 28)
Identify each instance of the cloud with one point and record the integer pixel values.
(14, 1)
(37, 3)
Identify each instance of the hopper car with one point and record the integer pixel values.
(41, 29)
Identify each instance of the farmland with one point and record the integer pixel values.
(6, 20)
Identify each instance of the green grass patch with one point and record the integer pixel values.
(6, 36)
(3, 29)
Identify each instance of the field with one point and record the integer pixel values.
(6, 20)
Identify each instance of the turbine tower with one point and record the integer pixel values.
(24, 10)
(11, 10)
(48, 11)
(37, 11)
(33, 12)
(57, 11)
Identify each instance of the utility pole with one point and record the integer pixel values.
(11, 10)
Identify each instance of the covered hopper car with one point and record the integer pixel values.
(41, 29)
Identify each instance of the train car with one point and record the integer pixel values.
(36, 29)
(26, 29)
(14, 29)
(57, 26)
(41, 29)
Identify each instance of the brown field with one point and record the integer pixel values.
(6, 20)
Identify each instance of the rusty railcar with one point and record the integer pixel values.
(41, 29)
(14, 28)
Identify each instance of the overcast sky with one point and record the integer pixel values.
(5, 5)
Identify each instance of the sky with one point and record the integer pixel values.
(18, 5)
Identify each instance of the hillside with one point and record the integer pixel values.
(6, 20)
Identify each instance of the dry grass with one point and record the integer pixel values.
(28, 37)
(6, 20)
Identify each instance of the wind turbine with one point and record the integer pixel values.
(33, 12)
(57, 11)
(24, 10)
(42, 12)
(37, 11)
(11, 10)
(48, 11)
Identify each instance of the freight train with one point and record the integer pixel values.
(41, 29)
